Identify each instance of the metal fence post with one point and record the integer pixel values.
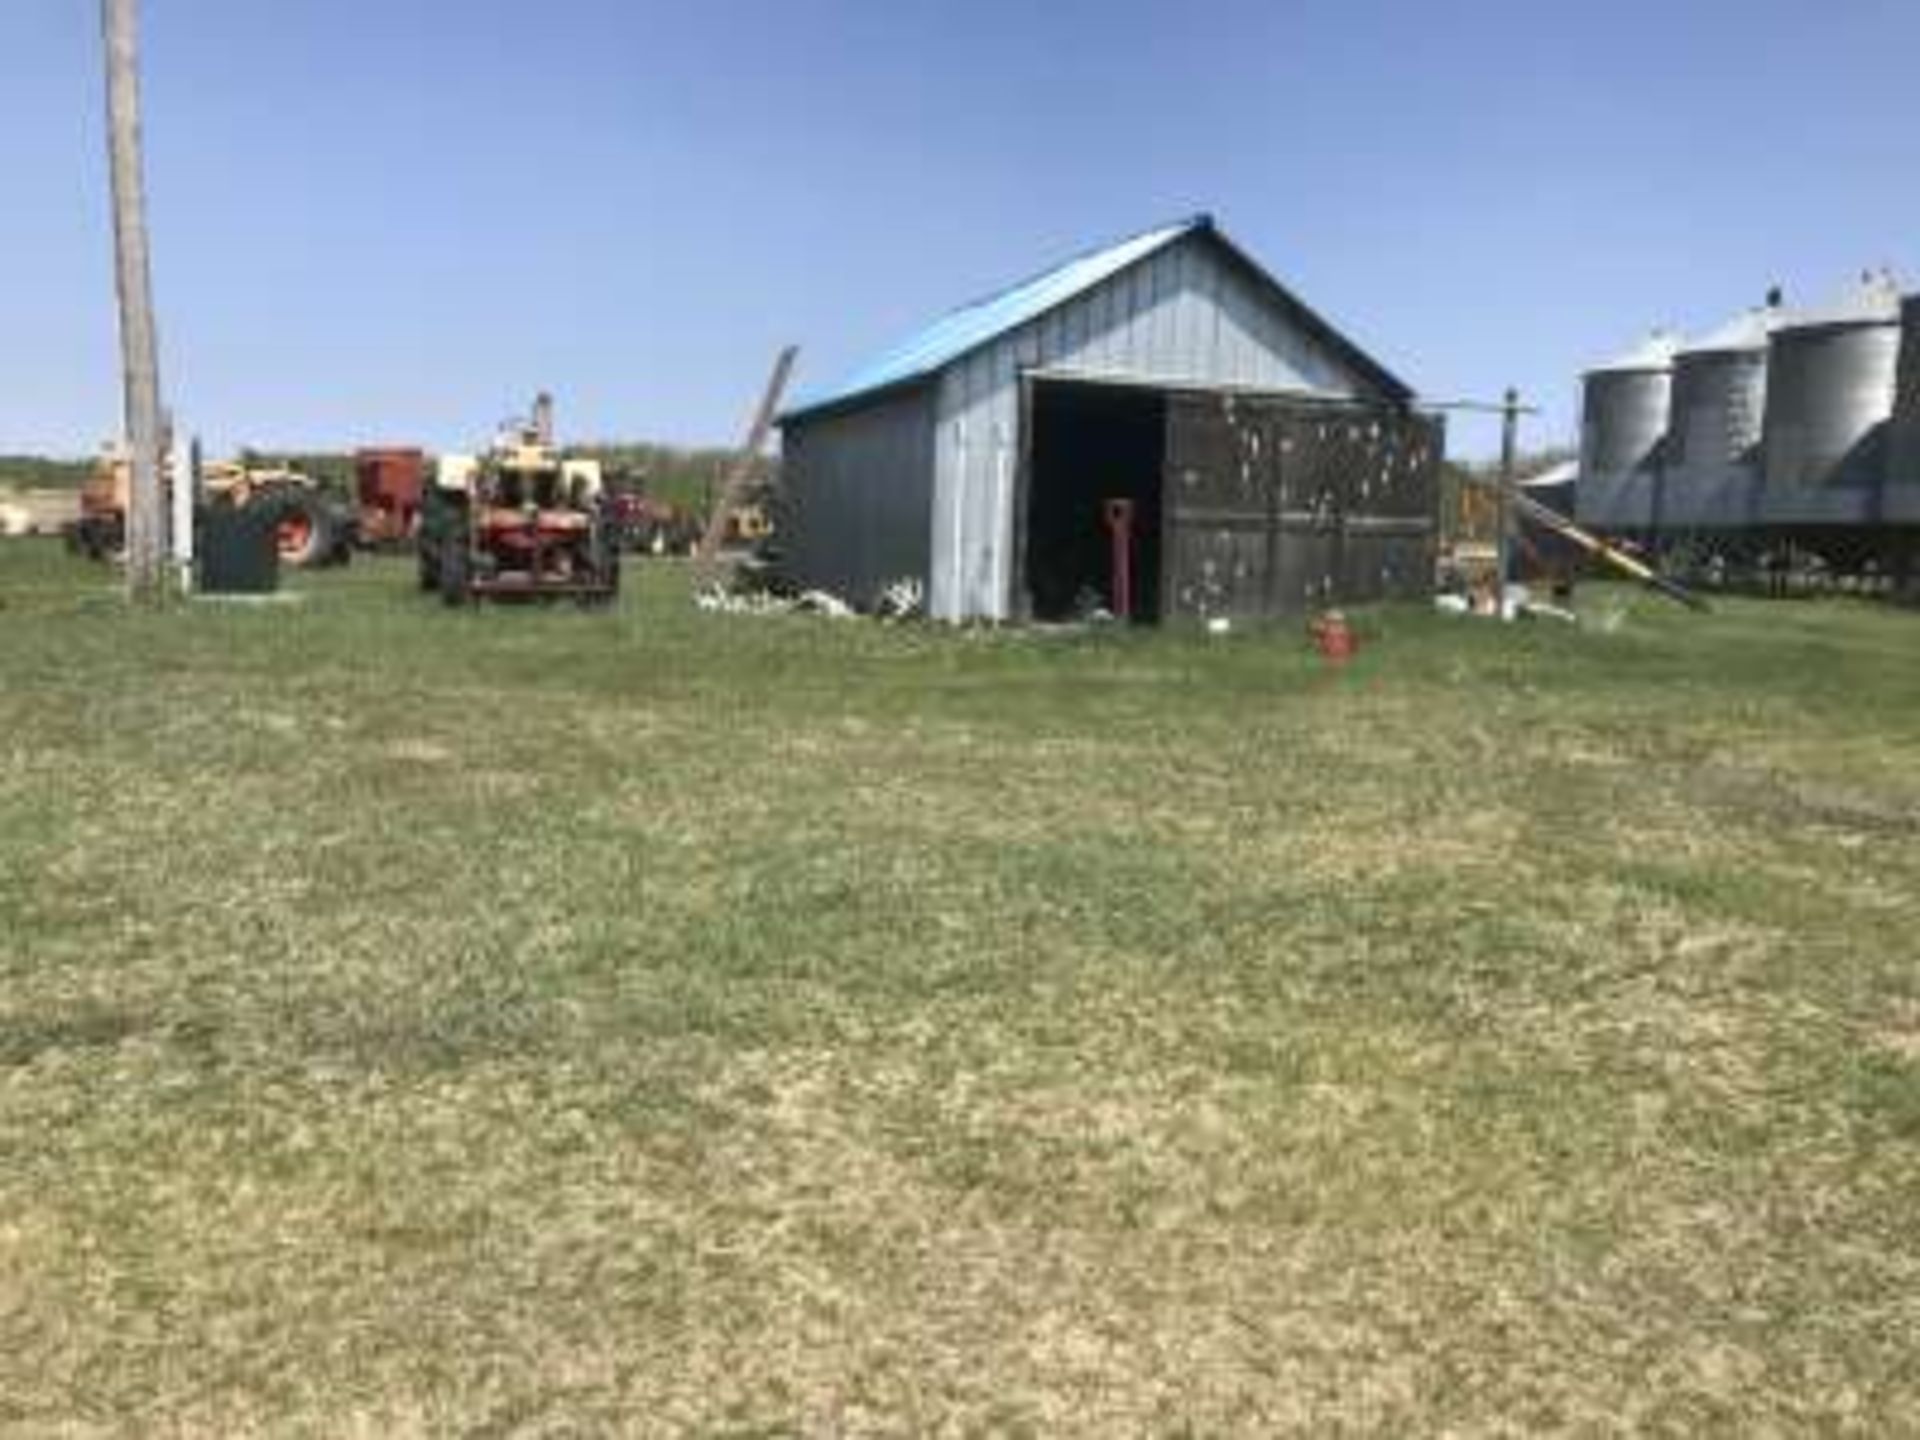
(1503, 538)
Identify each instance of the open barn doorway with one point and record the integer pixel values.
(1091, 444)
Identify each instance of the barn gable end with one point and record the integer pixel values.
(1177, 307)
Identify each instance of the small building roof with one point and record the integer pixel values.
(962, 331)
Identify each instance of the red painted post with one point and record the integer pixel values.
(1119, 515)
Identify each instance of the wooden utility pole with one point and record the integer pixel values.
(139, 347)
(1503, 523)
(742, 472)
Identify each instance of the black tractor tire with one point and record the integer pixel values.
(100, 537)
(309, 530)
(454, 566)
(606, 576)
(603, 558)
(346, 533)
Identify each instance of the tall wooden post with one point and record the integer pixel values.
(139, 347)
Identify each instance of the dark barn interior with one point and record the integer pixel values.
(1093, 443)
(1255, 505)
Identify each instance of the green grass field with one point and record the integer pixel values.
(417, 1022)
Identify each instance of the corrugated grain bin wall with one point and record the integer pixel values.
(1711, 469)
(1626, 405)
(1830, 386)
(1906, 414)
(1626, 418)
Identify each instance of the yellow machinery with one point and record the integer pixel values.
(311, 528)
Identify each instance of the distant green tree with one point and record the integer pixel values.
(688, 476)
(42, 472)
(684, 476)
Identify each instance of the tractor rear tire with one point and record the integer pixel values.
(603, 555)
(308, 530)
(453, 576)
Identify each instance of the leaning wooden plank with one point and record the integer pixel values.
(741, 475)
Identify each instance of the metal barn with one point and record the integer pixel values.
(1270, 463)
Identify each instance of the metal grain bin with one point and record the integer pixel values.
(1904, 469)
(1711, 474)
(1830, 390)
(1626, 404)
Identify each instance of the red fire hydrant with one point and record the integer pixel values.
(1333, 637)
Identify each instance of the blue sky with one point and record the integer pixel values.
(395, 221)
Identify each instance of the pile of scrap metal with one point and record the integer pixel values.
(903, 599)
(650, 525)
(1515, 602)
(719, 597)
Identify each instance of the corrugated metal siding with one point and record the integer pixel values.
(1829, 396)
(1711, 477)
(1186, 314)
(857, 487)
(1906, 411)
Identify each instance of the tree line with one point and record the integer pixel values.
(42, 472)
(688, 476)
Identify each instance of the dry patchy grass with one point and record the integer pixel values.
(415, 1023)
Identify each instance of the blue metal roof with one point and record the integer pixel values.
(971, 326)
